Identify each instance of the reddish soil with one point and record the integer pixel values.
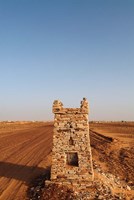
(25, 153)
(113, 150)
(23, 156)
(113, 146)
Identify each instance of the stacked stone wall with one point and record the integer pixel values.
(71, 153)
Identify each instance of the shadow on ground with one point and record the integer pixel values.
(22, 172)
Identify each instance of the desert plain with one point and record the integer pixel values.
(25, 153)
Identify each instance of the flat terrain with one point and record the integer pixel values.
(23, 156)
(25, 152)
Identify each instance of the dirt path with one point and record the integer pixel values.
(23, 156)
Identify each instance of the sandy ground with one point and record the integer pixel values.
(113, 149)
(25, 153)
(23, 156)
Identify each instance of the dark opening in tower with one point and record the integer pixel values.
(71, 141)
(72, 159)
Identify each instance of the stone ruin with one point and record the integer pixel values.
(71, 153)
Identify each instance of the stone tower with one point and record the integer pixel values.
(71, 153)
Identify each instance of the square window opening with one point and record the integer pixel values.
(72, 159)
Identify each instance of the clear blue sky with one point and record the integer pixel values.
(67, 50)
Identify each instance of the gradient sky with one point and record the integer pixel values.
(67, 50)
